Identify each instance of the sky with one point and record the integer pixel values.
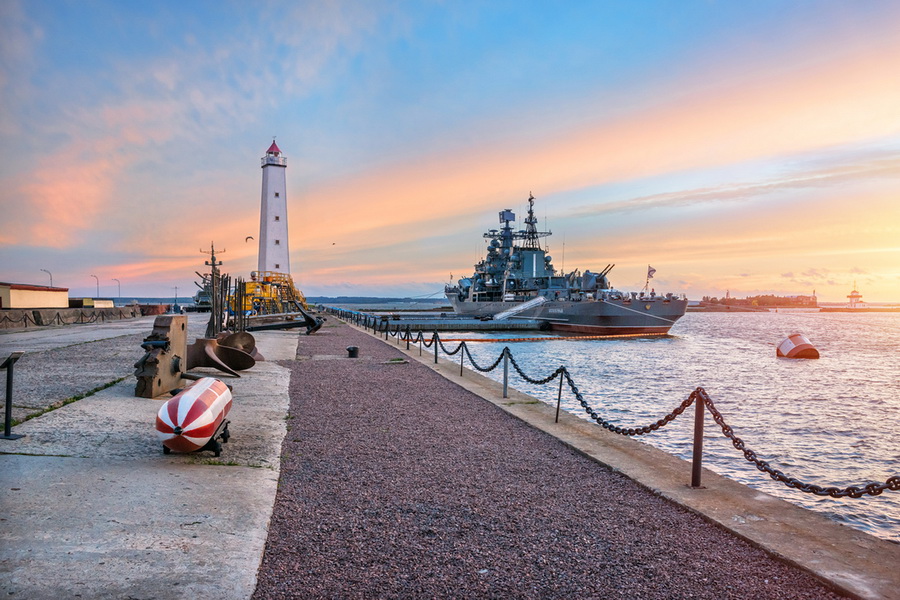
(737, 147)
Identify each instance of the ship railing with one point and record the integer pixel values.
(698, 397)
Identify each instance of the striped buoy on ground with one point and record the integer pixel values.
(192, 418)
(796, 346)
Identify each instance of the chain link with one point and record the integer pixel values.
(484, 369)
(444, 348)
(622, 430)
(522, 374)
(853, 491)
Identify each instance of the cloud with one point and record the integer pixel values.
(885, 165)
(815, 273)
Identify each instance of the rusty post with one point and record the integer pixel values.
(698, 441)
(7, 426)
(559, 396)
(506, 371)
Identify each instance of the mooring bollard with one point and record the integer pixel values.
(8, 365)
(352, 352)
(698, 442)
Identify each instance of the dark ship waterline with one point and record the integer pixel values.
(517, 280)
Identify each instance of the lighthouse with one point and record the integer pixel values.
(274, 255)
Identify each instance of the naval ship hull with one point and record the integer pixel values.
(640, 316)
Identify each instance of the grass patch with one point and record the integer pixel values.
(69, 400)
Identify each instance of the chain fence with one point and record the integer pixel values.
(698, 397)
(38, 319)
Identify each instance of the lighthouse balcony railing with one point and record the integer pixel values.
(274, 160)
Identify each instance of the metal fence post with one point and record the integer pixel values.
(435, 341)
(7, 427)
(506, 372)
(559, 396)
(698, 441)
(462, 357)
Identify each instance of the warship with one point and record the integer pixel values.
(517, 280)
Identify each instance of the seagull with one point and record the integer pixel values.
(248, 238)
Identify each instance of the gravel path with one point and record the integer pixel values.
(396, 483)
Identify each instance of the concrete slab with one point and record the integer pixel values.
(852, 562)
(92, 508)
(37, 339)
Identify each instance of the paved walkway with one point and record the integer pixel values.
(397, 483)
(90, 507)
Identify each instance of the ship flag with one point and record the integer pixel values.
(650, 272)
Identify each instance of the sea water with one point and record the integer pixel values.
(830, 422)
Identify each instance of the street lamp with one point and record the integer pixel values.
(50, 274)
(120, 286)
(98, 284)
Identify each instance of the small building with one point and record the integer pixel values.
(91, 303)
(21, 295)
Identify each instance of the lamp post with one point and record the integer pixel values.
(50, 274)
(98, 284)
(119, 283)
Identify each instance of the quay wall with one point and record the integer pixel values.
(22, 318)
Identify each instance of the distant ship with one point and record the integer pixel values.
(517, 280)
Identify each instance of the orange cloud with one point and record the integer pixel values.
(764, 116)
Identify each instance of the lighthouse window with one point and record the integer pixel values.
(277, 266)
(277, 218)
(277, 242)
(276, 194)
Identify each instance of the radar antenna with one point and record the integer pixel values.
(531, 235)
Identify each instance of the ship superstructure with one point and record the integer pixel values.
(517, 279)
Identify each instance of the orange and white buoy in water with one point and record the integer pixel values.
(796, 346)
(191, 420)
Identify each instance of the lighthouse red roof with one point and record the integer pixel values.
(273, 149)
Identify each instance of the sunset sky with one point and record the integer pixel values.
(749, 147)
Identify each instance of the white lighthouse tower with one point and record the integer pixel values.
(274, 255)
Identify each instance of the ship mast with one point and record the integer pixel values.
(531, 235)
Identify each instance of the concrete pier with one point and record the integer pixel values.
(92, 508)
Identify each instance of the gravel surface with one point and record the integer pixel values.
(397, 483)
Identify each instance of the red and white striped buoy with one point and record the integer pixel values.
(796, 346)
(192, 417)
